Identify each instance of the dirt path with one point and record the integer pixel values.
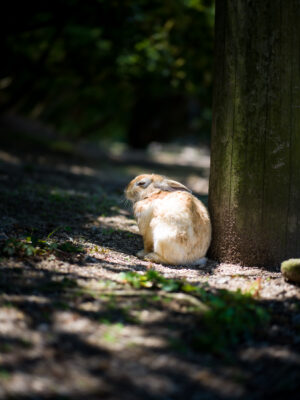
(69, 324)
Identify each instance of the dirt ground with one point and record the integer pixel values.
(70, 328)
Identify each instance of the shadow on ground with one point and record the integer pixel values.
(66, 333)
(61, 341)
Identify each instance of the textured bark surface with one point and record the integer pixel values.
(255, 167)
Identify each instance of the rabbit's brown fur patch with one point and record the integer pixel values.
(175, 225)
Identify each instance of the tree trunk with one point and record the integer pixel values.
(255, 166)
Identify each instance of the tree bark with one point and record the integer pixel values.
(254, 195)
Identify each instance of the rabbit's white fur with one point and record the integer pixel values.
(175, 225)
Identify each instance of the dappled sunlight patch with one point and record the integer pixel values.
(54, 378)
(120, 222)
(9, 158)
(117, 337)
(10, 317)
(267, 285)
(197, 184)
(275, 352)
(221, 385)
(179, 154)
(68, 321)
(83, 170)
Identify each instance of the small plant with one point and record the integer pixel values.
(70, 247)
(254, 288)
(34, 246)
(27, 247)
(128, 234)
(151, 279)
(108, 231)
(230, 317)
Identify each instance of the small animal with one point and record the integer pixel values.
(175, 225)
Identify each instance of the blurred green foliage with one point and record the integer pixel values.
(95, 67)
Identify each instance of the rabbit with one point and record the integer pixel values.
(175, 225)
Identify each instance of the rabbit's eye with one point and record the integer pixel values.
(143, 183)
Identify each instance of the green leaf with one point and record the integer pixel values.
(171, 286)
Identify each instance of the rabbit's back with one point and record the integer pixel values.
(178, 224)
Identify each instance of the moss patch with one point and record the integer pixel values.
(291, 269)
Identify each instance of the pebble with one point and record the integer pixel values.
(90, 259)
(222, 280)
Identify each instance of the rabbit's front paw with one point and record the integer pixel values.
(141, 254)
(154, 257)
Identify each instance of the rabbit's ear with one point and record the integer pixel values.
(169, 185)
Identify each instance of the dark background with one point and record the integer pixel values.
(134, 71)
